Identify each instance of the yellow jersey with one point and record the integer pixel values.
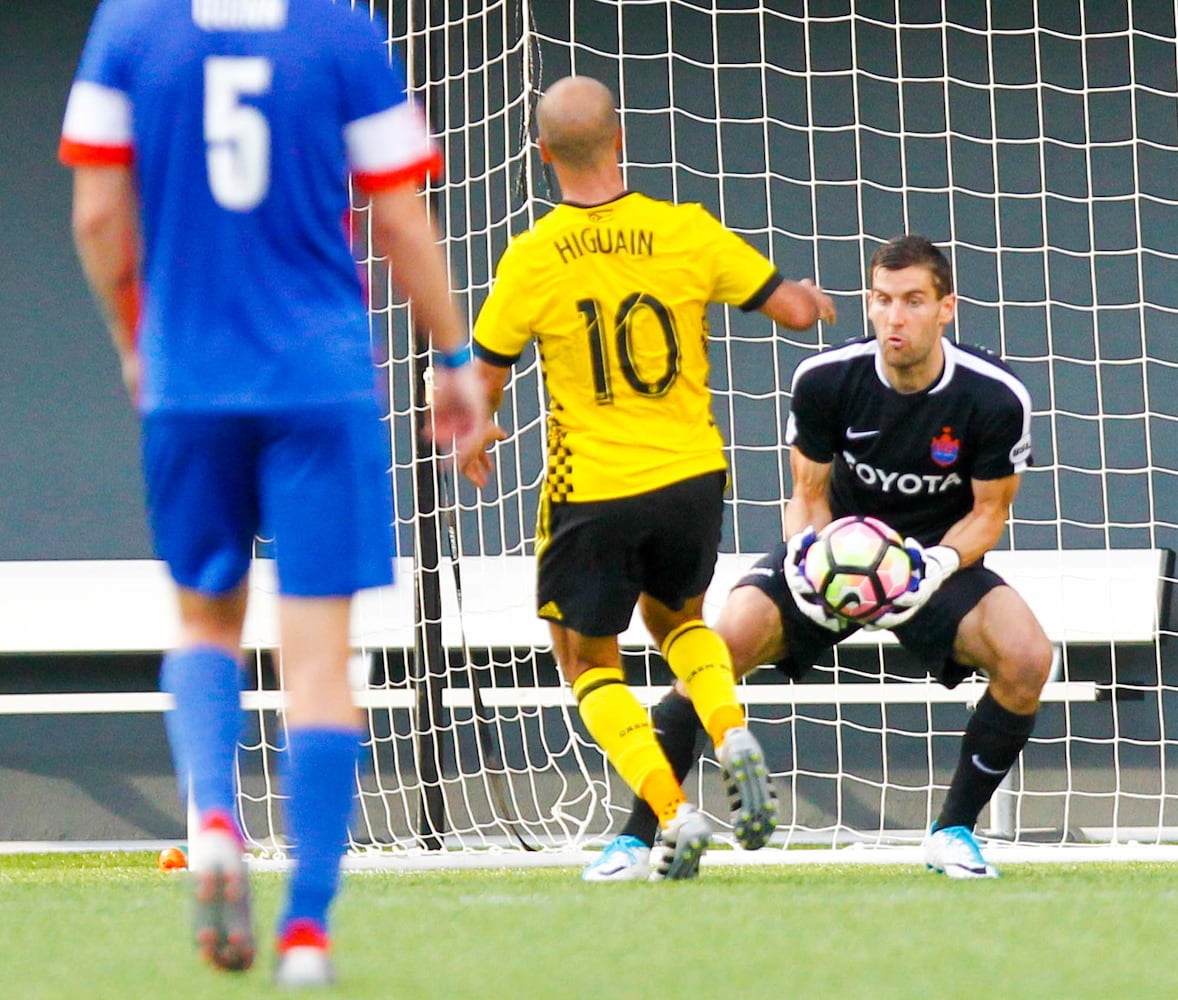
(616, 296)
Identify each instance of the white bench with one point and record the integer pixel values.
(127, 606)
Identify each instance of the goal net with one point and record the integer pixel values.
(1036, 143)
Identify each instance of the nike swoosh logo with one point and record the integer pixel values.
(855, 435)
(974, 869)
(977, 762)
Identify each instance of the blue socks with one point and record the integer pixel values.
(320, 786)
(320, 779)
(204, 727)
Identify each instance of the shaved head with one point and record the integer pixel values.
(578, 122)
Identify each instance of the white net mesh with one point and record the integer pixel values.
(1035, 143)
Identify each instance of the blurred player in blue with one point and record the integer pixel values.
(212, 142)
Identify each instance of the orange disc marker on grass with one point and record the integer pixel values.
(172, 859)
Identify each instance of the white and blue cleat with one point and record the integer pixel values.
(954, 851)
(623, 859)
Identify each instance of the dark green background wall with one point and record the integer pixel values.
(69, 469)
(1045, 190)
(69, 480)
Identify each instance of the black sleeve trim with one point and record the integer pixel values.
(761, 296)
(493, 358)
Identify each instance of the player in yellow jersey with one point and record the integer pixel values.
(614, 287)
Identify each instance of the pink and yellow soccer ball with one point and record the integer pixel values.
(858, 566)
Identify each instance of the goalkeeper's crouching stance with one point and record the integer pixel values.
(931, 438)
(752, 623)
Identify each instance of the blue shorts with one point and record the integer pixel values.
(315, 480)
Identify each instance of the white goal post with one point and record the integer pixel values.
(1035, 142)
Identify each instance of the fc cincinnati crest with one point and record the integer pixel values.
(945, 448)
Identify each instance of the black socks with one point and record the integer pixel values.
(992, 742)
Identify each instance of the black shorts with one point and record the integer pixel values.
(599, 556)
(929, 635)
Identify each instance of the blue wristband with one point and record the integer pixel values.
(454, 359)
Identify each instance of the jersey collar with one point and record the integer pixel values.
(599, 204)
(950, 353)
(948, 349)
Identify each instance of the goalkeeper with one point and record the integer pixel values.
(931, 437)
(614, 287)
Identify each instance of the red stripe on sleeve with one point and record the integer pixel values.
(419, 172)
(81, 154)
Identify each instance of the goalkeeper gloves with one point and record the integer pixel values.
(932, 565)
(802, 591)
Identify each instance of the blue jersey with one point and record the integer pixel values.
(242, 120)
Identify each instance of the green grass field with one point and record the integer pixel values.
(111, 926)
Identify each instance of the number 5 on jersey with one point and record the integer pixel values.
(237, 135)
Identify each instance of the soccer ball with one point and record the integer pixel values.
(858, 566)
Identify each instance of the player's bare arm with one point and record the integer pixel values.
(478, 464)
(403, 231)
(106, 233)
(809, 504)
(965, 542)
(807, 512)
(798, 305)
(978, 532)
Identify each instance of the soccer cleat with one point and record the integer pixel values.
(304, 961)
(751, 796)
(623, 859)
(955, 852)
(684, 841)
(224, 932)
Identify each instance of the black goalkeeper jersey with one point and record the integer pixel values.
(908, 459)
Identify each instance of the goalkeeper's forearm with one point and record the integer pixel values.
(974, 535)
(978, 532)
(801, 514)
(809, 505)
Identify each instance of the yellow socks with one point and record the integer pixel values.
(621, 727)
(663, 793)
(701, 660)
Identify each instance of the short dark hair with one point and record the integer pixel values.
(914, 251)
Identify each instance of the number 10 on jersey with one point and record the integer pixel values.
(629, 309)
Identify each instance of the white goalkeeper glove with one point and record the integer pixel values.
(933, 565)
(802, 591)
